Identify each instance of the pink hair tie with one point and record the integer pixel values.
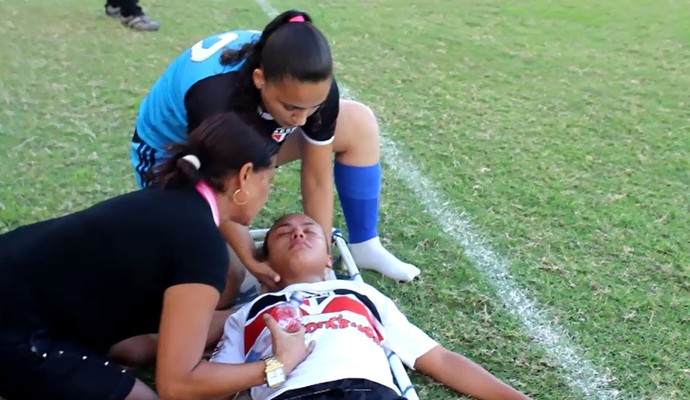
(297, 18)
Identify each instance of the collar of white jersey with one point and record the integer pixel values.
(264, 114)
(330, 284)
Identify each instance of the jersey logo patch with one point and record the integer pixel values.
(281, 133)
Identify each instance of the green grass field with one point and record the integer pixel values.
(560, 129)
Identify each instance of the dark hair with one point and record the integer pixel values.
(261, 253)
(223, 143)
(285, 49)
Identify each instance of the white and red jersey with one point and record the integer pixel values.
(352, 324)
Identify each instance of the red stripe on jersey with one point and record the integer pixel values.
(347, 303)
(253, 328)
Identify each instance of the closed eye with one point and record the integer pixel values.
(283, 232)
(290, 107)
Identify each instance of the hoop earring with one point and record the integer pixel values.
(240, 203)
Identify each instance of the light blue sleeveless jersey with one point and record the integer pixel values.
(162, 117)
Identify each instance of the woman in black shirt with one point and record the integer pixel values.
(150, 261)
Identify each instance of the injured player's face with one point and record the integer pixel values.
(297, 249)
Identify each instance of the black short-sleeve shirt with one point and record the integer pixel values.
(98, 276)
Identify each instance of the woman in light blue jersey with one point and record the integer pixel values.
(285, 74)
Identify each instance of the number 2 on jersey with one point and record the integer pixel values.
(200, 53)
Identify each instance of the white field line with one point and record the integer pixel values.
(581, 374)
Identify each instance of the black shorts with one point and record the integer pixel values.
(347, 389)
(34, 365)
(144, 159)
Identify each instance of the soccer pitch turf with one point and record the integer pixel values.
(536, 158)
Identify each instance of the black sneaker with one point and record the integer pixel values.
(112, 11)
(140, 23)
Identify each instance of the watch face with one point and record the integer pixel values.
(275, 377)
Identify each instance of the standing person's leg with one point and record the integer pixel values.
(133, 16)
(112, 8)
(129, 8)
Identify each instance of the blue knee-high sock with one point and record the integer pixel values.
(359, 188)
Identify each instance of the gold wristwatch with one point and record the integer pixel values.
(275, 376)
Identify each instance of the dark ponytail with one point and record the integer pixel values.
(286, 49)
(220, 145)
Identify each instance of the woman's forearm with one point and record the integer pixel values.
(317, 198)
(212, 380)
(239, 238)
